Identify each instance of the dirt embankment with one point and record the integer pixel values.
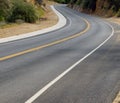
(104, 8)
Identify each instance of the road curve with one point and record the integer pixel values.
(94, 80)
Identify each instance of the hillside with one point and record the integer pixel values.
(47, 19)
(100, 7)
(24, 10)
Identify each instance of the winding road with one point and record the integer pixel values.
(79, 63)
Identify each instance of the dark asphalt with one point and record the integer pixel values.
(95, 80)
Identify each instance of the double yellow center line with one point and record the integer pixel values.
(46, 45)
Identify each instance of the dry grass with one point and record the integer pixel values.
(15, 29)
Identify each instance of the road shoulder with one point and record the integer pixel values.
(117, 99)
(116, 21)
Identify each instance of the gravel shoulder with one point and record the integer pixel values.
(116, 21)
(18, 29)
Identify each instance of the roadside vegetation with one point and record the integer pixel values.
(101, 7)
(5, 6)
(12, 11)
(60, 1)
(25, 11)
(20, 23)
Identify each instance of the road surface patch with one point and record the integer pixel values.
(47, 45)
(46, 87)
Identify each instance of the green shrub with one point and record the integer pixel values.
(85, 4)
(4, 9)
(79, 2)
(24, 11)
(118, 13)
(2, 18)
(40, 12)
(61, 1)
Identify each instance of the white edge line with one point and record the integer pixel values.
(61, 23)
(41, 91)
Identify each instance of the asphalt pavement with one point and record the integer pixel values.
(95, 80)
